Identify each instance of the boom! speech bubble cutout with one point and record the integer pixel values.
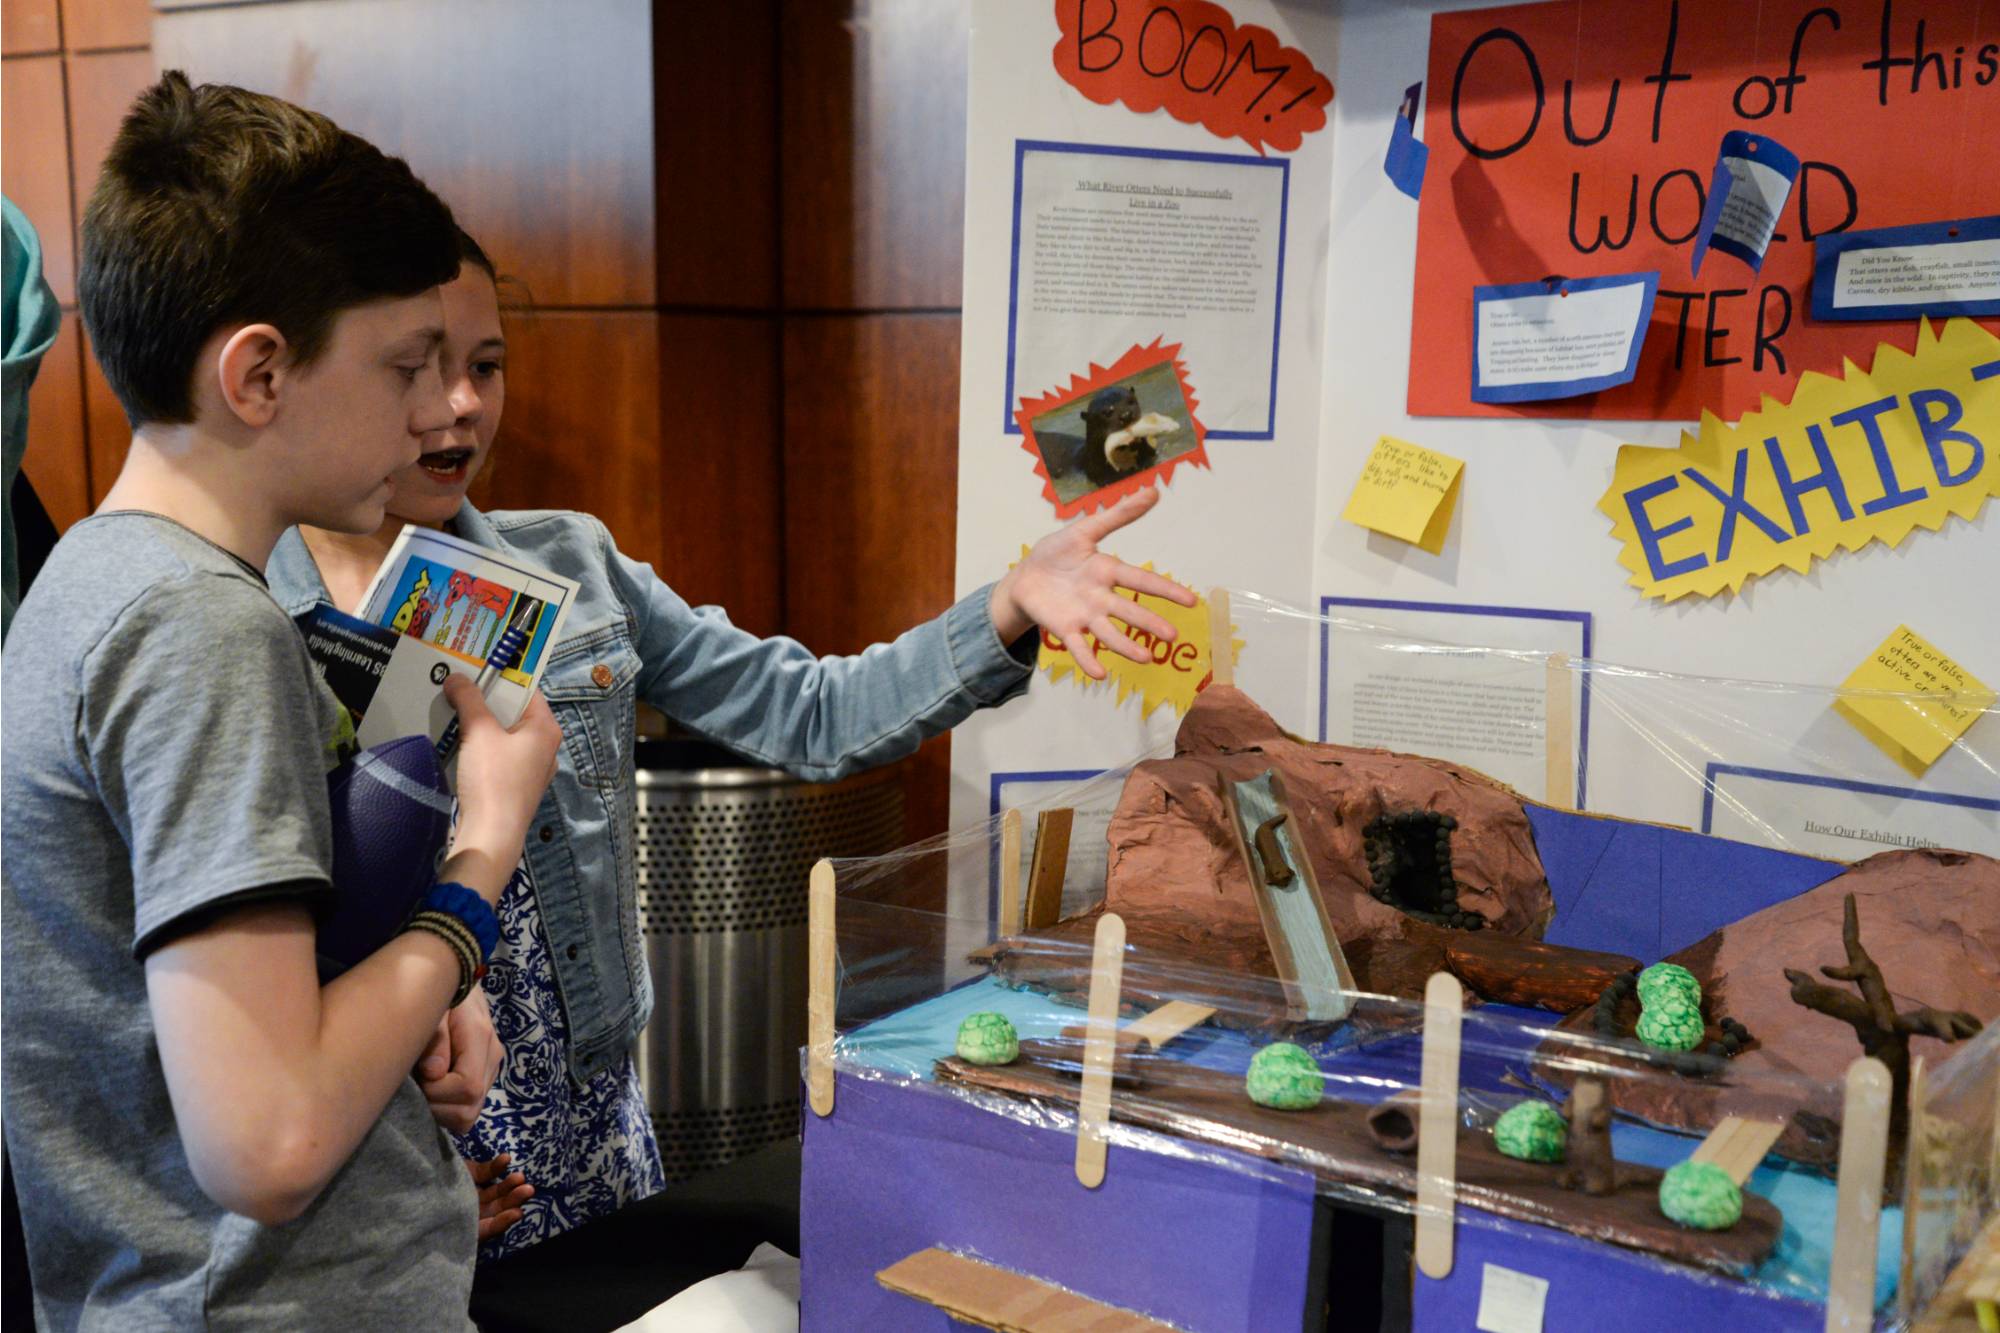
(1178, 671)
(1870, 456)
(1190, 57)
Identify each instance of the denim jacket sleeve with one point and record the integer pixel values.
(819, 718)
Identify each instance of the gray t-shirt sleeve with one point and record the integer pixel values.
(197, 718)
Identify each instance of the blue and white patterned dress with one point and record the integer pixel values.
(586, 1149)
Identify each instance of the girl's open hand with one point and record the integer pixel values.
(1069, 588)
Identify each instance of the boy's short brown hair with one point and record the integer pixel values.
(219, 206)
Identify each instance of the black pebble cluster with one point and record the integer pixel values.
(1734, 1038)
(1398, 874)
(1604, 1016)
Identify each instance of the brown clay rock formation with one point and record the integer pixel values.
(1930, 920)
(1178, 879)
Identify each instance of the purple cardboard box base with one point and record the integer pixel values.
(898, 1168)
(1595, 1286)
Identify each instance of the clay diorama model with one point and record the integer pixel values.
(1413, 865)
(1252, 857)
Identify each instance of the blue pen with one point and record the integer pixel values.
(505, 655)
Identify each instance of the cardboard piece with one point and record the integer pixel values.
(1408, 492)
(1872, 456)
(991, 1297)
(1011, 903)
(1912, 732)
(1220, 1244)
(1647, 891)
(1045, 873)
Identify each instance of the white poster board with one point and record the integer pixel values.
(1245, 246)
(1527, 536)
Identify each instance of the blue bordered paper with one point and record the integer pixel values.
(1408, 155)
(1743, 201)
(1977, 233)
(1173, 330)
(1529, 295)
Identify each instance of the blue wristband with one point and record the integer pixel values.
(454, 899)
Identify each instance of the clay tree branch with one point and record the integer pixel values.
(1884, 1033)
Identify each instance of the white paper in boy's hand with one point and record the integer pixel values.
(449, 601)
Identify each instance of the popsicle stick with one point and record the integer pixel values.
(1045, 875)
(1561, 785)
(1010, 873)
(1913, 1192)
(1167, 1022)
(1100, 1048)
(820, 995)
(1864, 1143)
(1437, 1121)
(1221, 638)
(1737, 1145)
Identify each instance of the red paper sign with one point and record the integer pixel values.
(1579, 139)
(1190, 57)
(1114, 430)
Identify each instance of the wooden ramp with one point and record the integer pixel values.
(979, 1293)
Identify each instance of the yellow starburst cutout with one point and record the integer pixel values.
(1177, 672)
(1870, 456)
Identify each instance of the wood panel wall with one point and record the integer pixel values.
(872, 205)
(71, 68)
(739, 227)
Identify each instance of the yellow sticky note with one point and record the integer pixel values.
(1406, 491)
(1913, 732)
(1869, 456)
(1177, 669)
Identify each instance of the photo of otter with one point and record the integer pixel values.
(1115, 432)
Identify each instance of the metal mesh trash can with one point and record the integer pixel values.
(723, 855)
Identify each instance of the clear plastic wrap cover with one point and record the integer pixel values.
(921, 948)
(1753, 760)
(1187, 1100)
(1953, 1195)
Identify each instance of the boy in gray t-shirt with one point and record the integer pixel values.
(202, 1134)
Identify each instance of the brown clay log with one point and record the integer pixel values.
(1510, 970)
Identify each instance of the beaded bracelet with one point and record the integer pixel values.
(455, 934)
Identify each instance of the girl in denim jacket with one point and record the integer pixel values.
(568, 987)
